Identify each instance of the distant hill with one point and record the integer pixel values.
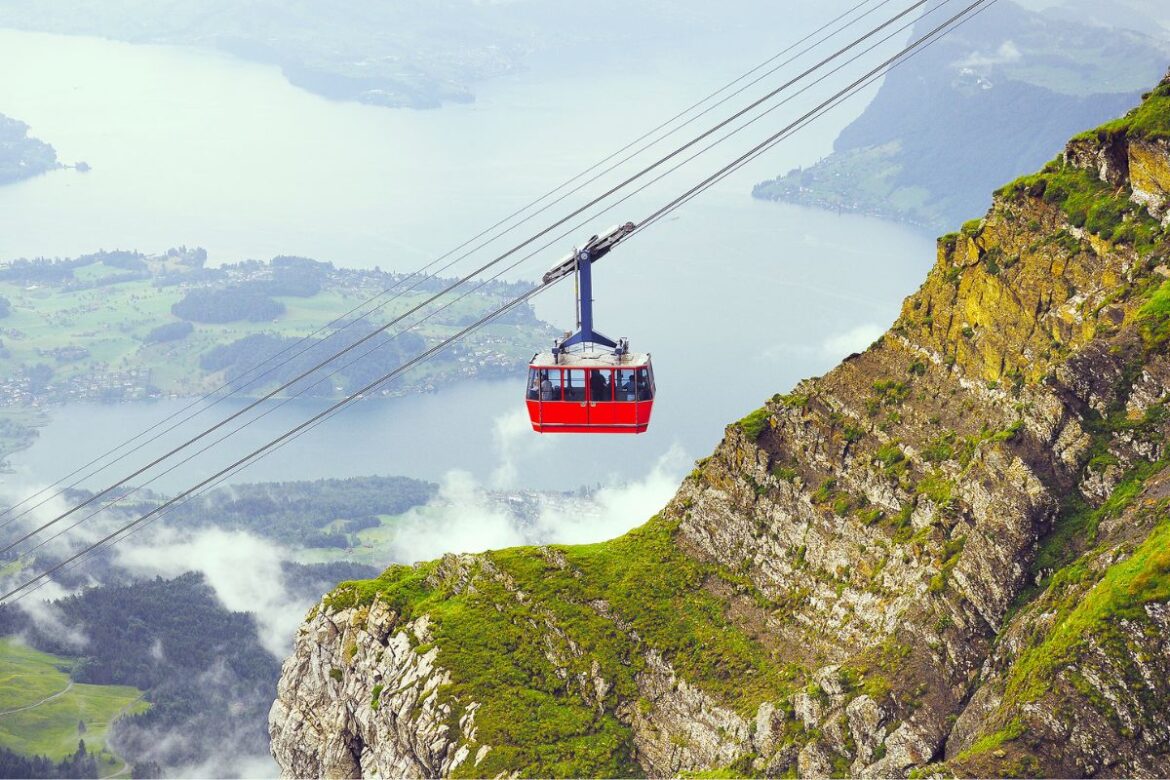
(416, 55)
(1151, 17)
(993, 99)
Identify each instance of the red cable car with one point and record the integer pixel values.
(588, 383)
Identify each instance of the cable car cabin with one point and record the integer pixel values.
(590, 392)
(589, 383)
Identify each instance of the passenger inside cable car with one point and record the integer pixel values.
(593, 399)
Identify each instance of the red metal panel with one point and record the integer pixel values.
(567, 403)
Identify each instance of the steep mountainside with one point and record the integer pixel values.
(992, 100)
(948, 555)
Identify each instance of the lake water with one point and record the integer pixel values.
(736, 299)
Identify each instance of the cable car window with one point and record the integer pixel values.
(533, 384)
(600, 384)
(575, 384)
(550, 384)
(625, 384)
(645, 389)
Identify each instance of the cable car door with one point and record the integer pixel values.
(576, 404)
(602, 409)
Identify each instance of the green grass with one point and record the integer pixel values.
(1153, 317)
(755, 423)
(1122, 590)
(723, 773)
(51, 728)
(891, 459)
(988, 742)
(1089, 203)
(531, 716)
(937, 487)
(373, 544)
(1150, 120)
(1095, 205)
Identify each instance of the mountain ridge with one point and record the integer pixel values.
(991, 101)
(946, 556)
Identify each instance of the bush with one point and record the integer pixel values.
(753, 425)
(228, 305)
(172, 331)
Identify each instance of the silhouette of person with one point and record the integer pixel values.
(598, 387)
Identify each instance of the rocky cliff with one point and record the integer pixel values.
(948, 556)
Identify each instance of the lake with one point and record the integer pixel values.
(736, 299)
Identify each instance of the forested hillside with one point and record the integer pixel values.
(993, 100)
(21, 155)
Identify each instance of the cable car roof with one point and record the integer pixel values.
(591, 359)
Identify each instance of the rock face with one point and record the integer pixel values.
(948, 556)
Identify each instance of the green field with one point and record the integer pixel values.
(372, 545)
(84, 327)
(41, 712)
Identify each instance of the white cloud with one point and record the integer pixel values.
(1006, 54)
(459, 519)
(244, 571)
(512, 432)
(243, 766)
(853, 340)
(615, 510)
(465, 517)
(48, 618)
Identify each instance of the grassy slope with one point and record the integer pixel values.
(1088, 586)
(534, 718)
(51, 728)
(1149, 121)
(373, 544)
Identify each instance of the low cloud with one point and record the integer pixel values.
(459, 519)
(244, 571)
(614, 510)
(225, 739)
(467, 517)
(853, 340)
(1006, 54)
(48, 619)
(512, 433)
